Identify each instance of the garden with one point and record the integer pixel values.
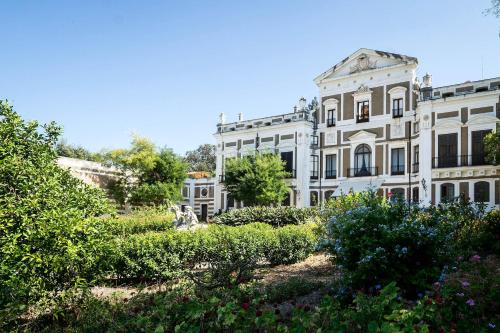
(70, 263)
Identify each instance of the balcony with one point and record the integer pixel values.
(331, 122)
(362, 118)
(397, 170)
(362, 172)
(291, 174)
(330, 174)
(458, 161)
(415, 167)
(397, 113)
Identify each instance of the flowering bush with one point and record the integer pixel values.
(378, 241)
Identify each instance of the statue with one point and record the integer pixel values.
(185, 220)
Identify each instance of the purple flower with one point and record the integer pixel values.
(492, 325)
(460, 294)
(465, 284)
(470, 302)
(378, 286)
(437, 284)
(475, 258)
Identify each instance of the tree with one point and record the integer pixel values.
(494, 9)
(148, 175)
(256, 180)
(202, 158)
(66, 150)
(47, 243)
(492, 147)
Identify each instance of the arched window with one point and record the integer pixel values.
(482, 192)
(328, 195)
(397, 194)
(314, 198)
(362, 160)
(447, 192)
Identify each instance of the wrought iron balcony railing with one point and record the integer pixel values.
(362, 119)
(458, 161)
(330, 174)
(362, 172)
(331, 122)
(397, 170)
(415, 167)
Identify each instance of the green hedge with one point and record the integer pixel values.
(224, 254)
(139, 222)
(275, 216)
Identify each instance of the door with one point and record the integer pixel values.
(477, 143)
(447, 150)
(204, 212)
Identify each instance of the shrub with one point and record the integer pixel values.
(47, 244)
(291, 244)
(140, 221)
(480, 234)
(378, 242)
(213, 257)
(275, 216)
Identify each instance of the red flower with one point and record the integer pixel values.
(245, 306)
(258, 313)
(185, 298)
(428, 301)
(441, 330)
(453, 324)
(439, 300)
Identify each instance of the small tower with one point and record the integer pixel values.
(426, 89)
(222, 118)
(240, 117)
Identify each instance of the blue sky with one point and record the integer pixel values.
(165, 69)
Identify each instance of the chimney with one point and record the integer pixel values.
(240, 117)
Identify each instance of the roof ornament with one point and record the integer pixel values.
(363, 89)
(222, 118)
(363, 64)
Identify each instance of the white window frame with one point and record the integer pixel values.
(396, 93)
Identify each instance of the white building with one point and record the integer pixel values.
(377, 127)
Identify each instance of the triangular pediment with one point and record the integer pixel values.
(362, 135)
(364, 60)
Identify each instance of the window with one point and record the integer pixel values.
(397, 108)
(415, 194)
(204, 192)
(447, 192)
(397, 194)
(313, 198)
(287, 157)
(328, 195)
(286, 201)
(416, 159)
(398, 161)
(362, 161)
(447, 150)
(477, 143)
(331, 166)
(416, 127)
(185, 192)
(331, 119)
(363, 114)
(314, 167)
(230, 201)
(482, 192)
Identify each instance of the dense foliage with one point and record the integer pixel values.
(67, 150)
(139, 221)
(46, 243)
(492, 147)
(275, 216)
(201, 159)
(375, 241)
(149, 176)
(229, 254)
(466, 301)
(257, 180)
